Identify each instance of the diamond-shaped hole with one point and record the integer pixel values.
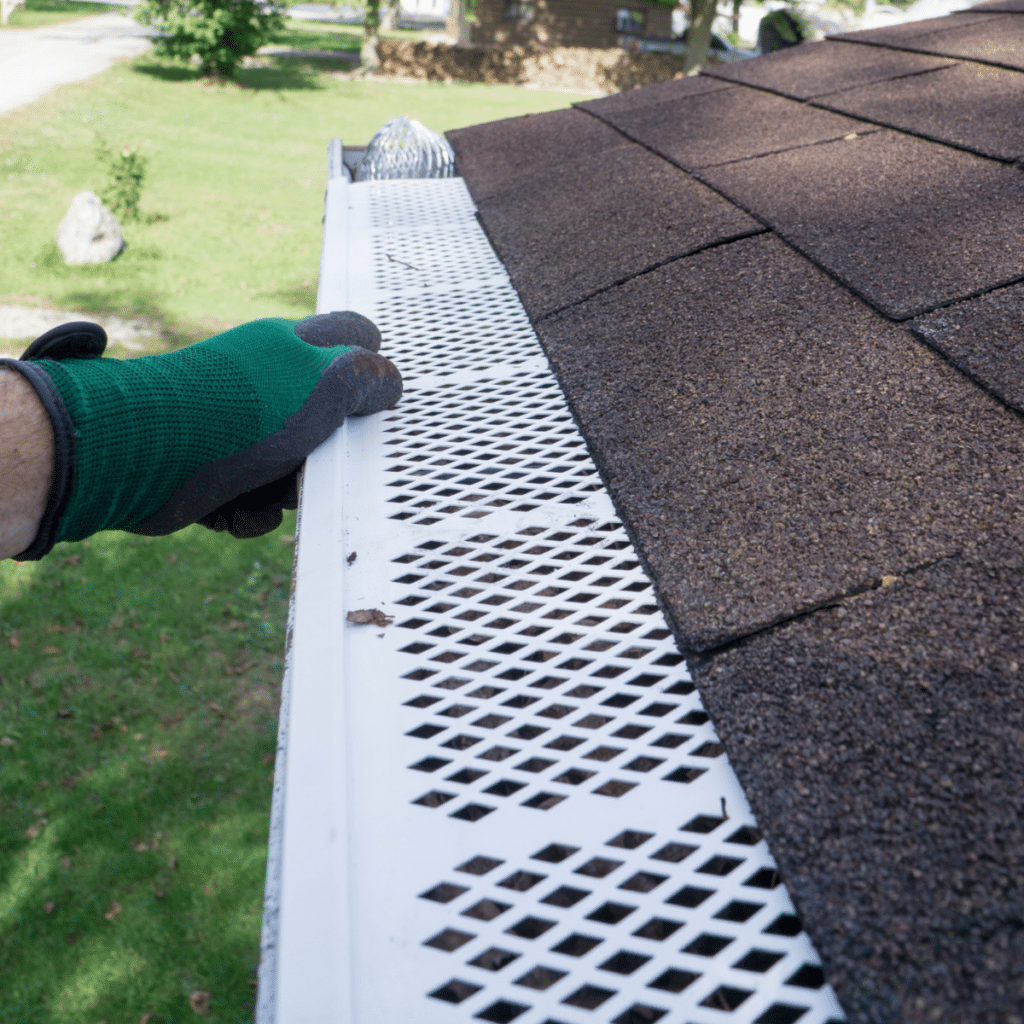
(530, 927)
(449, 940)
(674, 980)
(541, 978)
(565, 896)
(624, 962)
(455, 991)
(443, 893)
(494, 959)
(502, 1012)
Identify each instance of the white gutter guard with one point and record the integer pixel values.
(498, 795)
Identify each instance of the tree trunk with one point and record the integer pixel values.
(368, 57)
(698, 38)
(457, 27)
(389, 18)
(736, 5)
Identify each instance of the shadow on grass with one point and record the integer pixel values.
(139, 697)
(283, 74)
(114, 289)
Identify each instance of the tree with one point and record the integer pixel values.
(460, 15)
(219, 32)
(698, 36)
(368, 56)
(390, 15)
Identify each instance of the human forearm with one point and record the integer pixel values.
(26, 462)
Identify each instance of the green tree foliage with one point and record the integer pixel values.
(219, 32)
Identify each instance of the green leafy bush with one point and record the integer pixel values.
(220, 33)
(127, 171)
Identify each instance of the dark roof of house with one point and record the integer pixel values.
(784, 300)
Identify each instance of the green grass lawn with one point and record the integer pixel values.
(138, 688)
(234, 191)
(138, 677)
(52, 12)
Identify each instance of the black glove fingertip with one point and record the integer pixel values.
(325, 330)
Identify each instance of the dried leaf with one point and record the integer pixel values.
(6, 741)
(370, 617)
(49, 907)
(145, 1018)
(172, 558)
(214, 706)
(73, 938)
(200, 1003)
(351, 558)
(287, 538)
(66, 713)
(115, 909)
(267, 759)
(235, 624)
(142, 847)
(14, 640)
(33, 831)
(73, 560)
(50, 649)
(209, 889)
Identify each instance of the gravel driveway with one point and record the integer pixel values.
(34, 61)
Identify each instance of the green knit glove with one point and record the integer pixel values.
(213, 433)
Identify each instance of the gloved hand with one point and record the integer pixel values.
(213, 433)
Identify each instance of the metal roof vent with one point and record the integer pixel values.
(404, 148)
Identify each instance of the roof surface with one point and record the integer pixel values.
(784, 301)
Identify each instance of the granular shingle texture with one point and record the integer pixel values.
(815, 435)
(507, 154)
(881, 743)
(906, 223)
(985, 338)
(976, 106)
(679, 90)
(773, 442)
(817, 69)
(1000, 6)
(994, 39)
(591, 222)
(729, 124)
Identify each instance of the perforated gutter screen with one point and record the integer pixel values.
(508, 804)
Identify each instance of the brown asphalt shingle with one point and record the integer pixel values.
(506, 154)
(728, 124)
(985, 338)
(906, 223)
(881, 744)
(615, 217)
(776, 446)
(817, 69)
(1012, 6)
(679, 90)
(976, 106)
(772, 441)
(990, 38)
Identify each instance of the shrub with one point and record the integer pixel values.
(220, 33)
(127, 171)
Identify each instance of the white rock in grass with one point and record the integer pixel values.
(89, 232)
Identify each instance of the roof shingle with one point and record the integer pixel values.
(830, 500)
(906, 223)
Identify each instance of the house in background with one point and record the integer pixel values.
(592, 23)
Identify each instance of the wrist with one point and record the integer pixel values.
(26, 462)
